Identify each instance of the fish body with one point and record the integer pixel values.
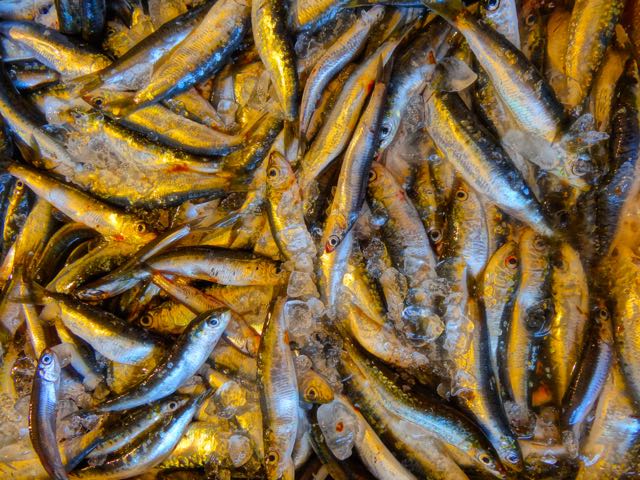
(278, 395)
(200, 54)
(43, 411)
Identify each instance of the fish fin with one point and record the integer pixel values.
(80, 86)
(448, 9)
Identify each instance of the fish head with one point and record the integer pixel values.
(388, 129)
(279, 172)
(335, 230)
(315, 388)
(49, 366)
(173, 403)
(487, 462)
(137, 231)
(278, 465)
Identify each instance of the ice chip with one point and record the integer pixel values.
(339, 427)
(240, 450)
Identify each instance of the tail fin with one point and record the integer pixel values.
(82, 85)
(448, 9)
(291, 141)
(74, 461)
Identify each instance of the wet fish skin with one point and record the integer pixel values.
(42, 413)
(612, 443)
(384, 404)
(133, 69)
(161, 125)
(529, 319)
(380, 462)
(83, 208)
(203, 52)
(499, 284)
(278, 395)
(480, 161)
(53, 49)
(590, 375)
(276, 52)
(68, 16)
(570, 294)
(238, 333)
(621, 184)
(467, 234)
(59, 245)
(183, 360)
(93, 19)
(430, 205)
(518, 83)
(110, 335)
(285, 214)
(138, 423)
(336, 57)
(590, 31)
(351, 189)
(153, 449)
(17, 209)
(334, 135)
(407, 78)
(480, 397)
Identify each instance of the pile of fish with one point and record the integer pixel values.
(346, 239)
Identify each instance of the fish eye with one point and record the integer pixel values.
(277, 268)
(213, 322)
(385, 130)
(19, 184)
(312, 394)
(272, 172)
(486, 459)
(98, 101)
(272, 458)
(334, 241)
(539, 243)
(531, 19)
(603, 313)
(435, 235)
(46, 359)
(372, 175)
(140, 227)
(462, 195)
(146, 321)
(512, 458)
(511, 261)
(580, 168)
(173, 405)
(493, 4)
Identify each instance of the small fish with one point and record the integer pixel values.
(203, 52)
(278, 395)
(590, 31)
(276, 52)
(343, 51)
(54, 49)
(150, 451)
(185, 357)
(43, 409)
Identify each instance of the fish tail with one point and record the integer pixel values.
(87, 83)
(291, 140)
(446, 8)
(74, 461)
